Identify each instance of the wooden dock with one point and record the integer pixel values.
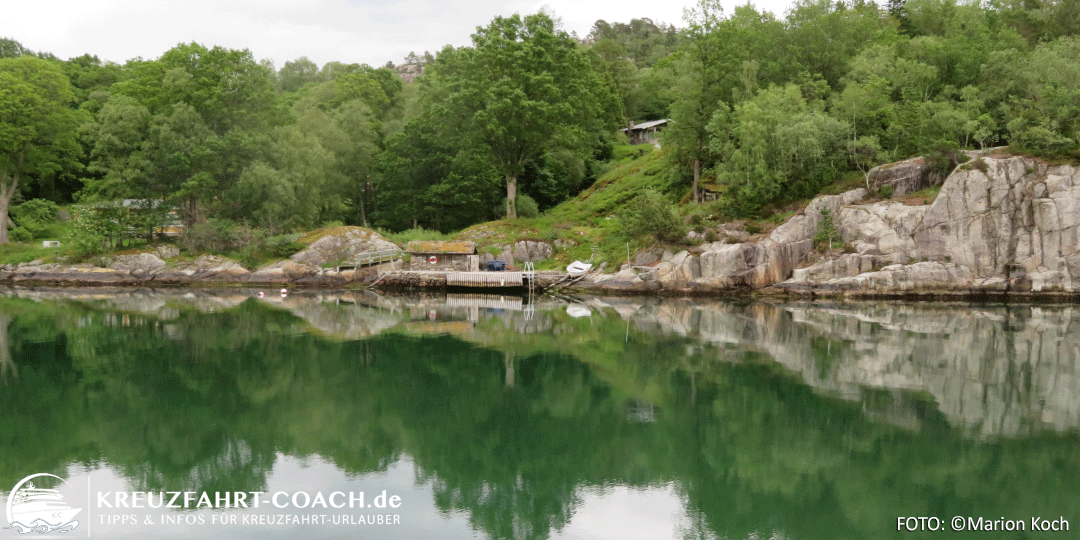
(419, 279)
(485, 279)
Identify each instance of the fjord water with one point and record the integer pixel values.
(493, 418)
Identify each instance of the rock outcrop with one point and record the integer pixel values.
(999, 225)
(342, 246)
(718, 267)
(904, 177)
(150, 268)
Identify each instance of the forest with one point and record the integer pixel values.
(761, 108)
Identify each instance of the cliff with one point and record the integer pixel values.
(999, 225)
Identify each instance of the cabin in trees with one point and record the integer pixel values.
(645, 132)
(437, 255)
(132, 214)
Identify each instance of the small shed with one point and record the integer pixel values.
(439, 255)
(645, 132)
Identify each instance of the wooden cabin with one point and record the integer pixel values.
(645, 132)
(452, 256)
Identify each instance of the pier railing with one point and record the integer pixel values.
(370, 257)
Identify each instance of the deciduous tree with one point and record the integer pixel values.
(37, 126)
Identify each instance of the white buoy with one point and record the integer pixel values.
(284, 293)
(261, 294)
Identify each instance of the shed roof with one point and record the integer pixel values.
(646, 125)
(439, 246)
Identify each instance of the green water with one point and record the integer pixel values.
(597, 419)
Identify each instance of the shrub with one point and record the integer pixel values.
(944, 158)
(35, 216)
(711, 236)
(97, 229)
(885, 192)
(213, 236)
(258, 248)
(20, 234)
(650, 215)
(526, 207)
(826, 231)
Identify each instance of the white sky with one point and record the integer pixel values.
(361, 31)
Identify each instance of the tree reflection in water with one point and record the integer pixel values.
(755, 413)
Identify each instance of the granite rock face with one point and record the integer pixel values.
(720, 266)
(999, 224)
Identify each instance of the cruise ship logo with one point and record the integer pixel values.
(39, 510)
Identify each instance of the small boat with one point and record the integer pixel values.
(578, 268)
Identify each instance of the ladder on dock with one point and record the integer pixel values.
(530, 274)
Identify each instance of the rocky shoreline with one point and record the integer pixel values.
(1002, 227)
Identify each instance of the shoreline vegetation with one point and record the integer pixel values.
(951, 246)
(926, 148)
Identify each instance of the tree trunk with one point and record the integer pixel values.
(511, 197)
(6, 193)
(697, 177)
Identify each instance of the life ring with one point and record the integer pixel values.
(432, 259)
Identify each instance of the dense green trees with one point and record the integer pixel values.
(37, 126)
(768, 109)
(524, 90)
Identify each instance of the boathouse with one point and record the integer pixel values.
(443, 256)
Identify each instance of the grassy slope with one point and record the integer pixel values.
(587, 224)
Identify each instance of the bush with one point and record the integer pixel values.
(826, 232)
(650, 215)
(944, 158)
(711, 236)
(526, 207)
(19, 234)
(97, 229)
(259, 248)
(213, 236)
(885, 192)
(35, 216)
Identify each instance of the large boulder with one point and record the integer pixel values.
(137, 264)
(532, 251)
(282, 271)
(905, 177)
(341, 245)
(211, 266)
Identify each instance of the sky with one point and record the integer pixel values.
(369, 32)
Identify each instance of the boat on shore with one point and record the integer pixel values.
(578, 268)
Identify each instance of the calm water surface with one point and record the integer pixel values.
(593, 419)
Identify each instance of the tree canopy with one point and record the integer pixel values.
(763, 109)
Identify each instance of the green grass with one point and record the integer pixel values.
(925, 195)
(16, 253)
(420, 233)
(585, 227)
